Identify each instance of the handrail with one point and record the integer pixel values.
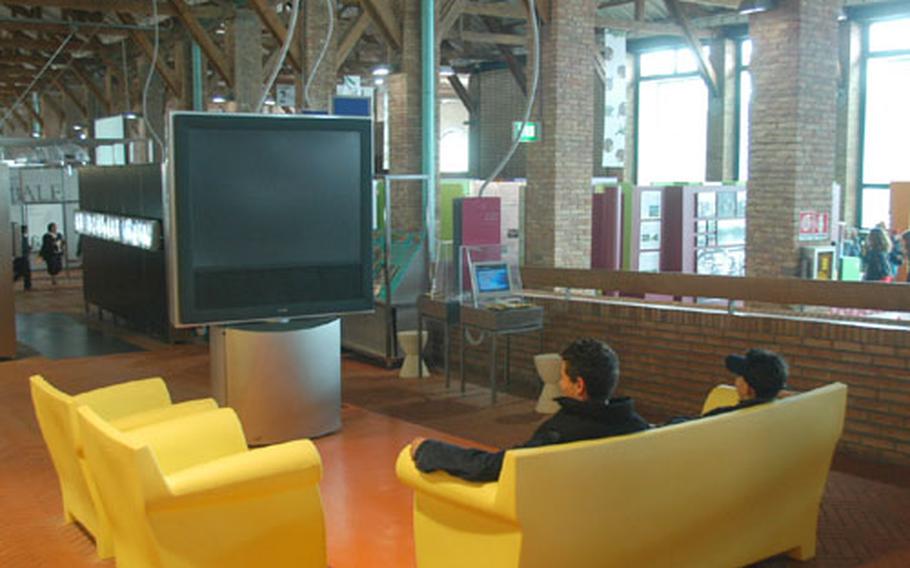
(789, 291)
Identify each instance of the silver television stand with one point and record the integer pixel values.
(282, 379)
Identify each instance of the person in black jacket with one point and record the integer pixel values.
(589, 375)
(762, 375)
(52, 247)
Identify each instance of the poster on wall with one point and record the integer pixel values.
(614, 138)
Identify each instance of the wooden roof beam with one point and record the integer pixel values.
(211, 50)
(167, 74)
(384, 18)
(351, 37)
(139, 7)
(276, 27)
(704, 64)
(80, 106)
(462, 93)
(83, 76)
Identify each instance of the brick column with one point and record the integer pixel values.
(247, 47)
(315, 26)
(405, 133)
(793, 129)
(558, 200)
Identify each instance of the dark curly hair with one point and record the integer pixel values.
(595, 362)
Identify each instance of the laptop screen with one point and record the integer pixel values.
(492, 278)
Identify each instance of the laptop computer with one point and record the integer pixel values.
(493, 284)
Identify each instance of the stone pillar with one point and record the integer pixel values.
(721, 146)
(793, 129)
(405, 133)
(558, 200)
(322, 85)
(247, 49)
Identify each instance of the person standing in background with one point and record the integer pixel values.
(875, 259)
(52, 247)
(22, 267)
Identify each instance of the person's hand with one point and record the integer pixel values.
(415, 443)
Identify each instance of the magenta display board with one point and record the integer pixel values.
(477, 221)
(606, 230)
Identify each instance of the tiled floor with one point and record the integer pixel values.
(865, 518)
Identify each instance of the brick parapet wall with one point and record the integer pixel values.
(671, 356)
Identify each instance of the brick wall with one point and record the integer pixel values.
(247, 58)
(499, 103)
(671, 356)
(560, 164)
(792, 139)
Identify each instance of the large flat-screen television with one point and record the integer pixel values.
(268, 217)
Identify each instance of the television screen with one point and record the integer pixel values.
(492, 278)
(269, 217)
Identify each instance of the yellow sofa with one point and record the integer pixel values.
(189, 493)
(126, 405)
(722, 491)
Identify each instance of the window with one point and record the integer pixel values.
(745, 104)
(672, 118)
(453, 138)
(886, 117)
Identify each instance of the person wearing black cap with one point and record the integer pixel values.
(761, 376)
(589, 374)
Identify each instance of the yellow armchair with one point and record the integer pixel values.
(722, 491)
(127, 405)
(189, 493)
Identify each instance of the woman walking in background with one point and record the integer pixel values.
(52, 247)
(875, 260)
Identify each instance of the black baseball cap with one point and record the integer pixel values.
(765, 371)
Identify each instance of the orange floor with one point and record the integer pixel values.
(368, 513)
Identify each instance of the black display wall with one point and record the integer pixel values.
(127, 281)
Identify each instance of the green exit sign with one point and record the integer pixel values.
(530, 133)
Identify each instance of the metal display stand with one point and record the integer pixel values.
(283, 379)
(446, 312)
(498, 322)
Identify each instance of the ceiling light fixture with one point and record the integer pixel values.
(756, 6)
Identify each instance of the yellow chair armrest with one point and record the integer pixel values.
(117, 401)
(297, 461)
(480, 497)
(191, 440)
(164, 413)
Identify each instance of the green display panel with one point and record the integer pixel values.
(449, 190)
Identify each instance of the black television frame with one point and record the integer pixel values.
(181, 288)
